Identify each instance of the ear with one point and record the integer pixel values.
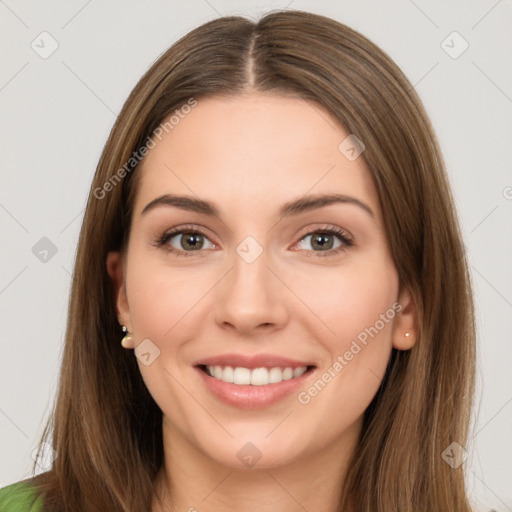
(116, 271)
(405, 327)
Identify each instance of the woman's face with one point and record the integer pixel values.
(262, 285)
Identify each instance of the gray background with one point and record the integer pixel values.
(57, 113)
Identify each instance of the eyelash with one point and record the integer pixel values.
(162, 239)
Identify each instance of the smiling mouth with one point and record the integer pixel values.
(254, 376)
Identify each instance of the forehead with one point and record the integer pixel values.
(254, 148)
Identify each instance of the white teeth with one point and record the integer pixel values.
(287, 374)
(275, 375)
(297, 372)
(228, 374)
(257, 376)
(217, 372)
(242, 376)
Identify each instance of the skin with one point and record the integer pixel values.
(251, 154)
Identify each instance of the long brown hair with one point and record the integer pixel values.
(103, 413)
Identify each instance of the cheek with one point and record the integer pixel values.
(152, 307)
(352, 299)
(161, 302)
(358, 306)
(161, 297)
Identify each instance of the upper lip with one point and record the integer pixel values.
(252, 361)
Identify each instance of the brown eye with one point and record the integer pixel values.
(327, 240)
(190, 241)
(184, 241)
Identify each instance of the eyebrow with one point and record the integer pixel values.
(295, 207)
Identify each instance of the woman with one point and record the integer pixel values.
(314, 348)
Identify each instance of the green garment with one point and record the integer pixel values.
(20, 497)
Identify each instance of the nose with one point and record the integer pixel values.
(251, 298)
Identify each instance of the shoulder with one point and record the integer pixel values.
(20, 497)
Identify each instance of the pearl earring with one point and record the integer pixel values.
(127, 339)
(407, 334)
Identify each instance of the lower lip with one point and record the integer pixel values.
(252, 397)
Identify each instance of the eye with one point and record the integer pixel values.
(325, 240)
(184, 241)
(189, 240)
